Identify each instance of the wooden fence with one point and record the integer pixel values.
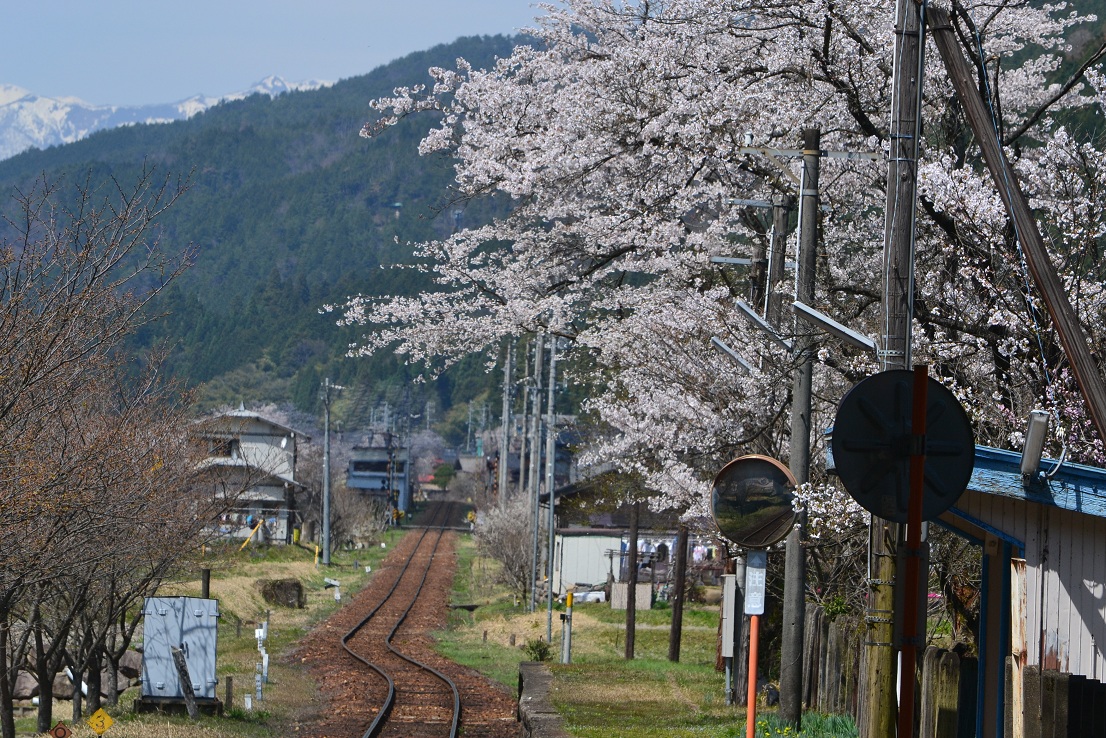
(833, 678)
(1058, 705)
(1051, 705)
(831, 668)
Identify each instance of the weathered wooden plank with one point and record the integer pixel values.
(1015, 707)
(852, 683)
(1098, 726)
(1079, 532)
(1080, 692)
(969, 694)
(947, 696)
(813, 640)
(1054, 704)
(1031, 684)
(928, 702)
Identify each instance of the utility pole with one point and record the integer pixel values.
(468, 431)
(631, 580)
(550, 456)
(680, 556)
(878, 720)
(327, 387)
(504, 434)
(535, 463)
(794, 588)
(522, 436)
(781, 216)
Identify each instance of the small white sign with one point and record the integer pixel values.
(756, 566)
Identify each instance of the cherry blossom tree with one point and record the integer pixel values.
(626, 139)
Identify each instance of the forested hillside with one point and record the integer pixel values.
(289, 209)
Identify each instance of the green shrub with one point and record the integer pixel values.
(537, 649)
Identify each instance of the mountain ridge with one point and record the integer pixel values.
(288, 209)
(31, 121)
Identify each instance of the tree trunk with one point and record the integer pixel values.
(7, 708)
(78, 703)
(95, 679)
(45, 681)
(45, 699)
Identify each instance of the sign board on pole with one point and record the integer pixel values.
(756, 566)
(100, 721)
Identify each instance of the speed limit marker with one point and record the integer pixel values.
(100, 721)
(61, 730)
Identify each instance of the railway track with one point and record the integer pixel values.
(419, 699)
(352, 695)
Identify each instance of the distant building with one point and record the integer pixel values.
(378, 467)
(253, 460)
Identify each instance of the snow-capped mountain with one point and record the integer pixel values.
(29, 121)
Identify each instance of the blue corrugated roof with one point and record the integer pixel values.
(1074, 487)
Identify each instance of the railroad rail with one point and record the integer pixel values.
(420, 700)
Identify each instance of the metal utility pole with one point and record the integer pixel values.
(794, 588)
(550, 457)
(468, 430)
(878, 719)
(631, 581)
(535, 463)
(522, 436)
(504, 434)
(327, 387)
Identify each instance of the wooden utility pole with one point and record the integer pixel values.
(794, 587)
(1072, 336)
(879, 716)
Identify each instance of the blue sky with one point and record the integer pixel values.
(129, 52)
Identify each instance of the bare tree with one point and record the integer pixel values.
(504, 534)
(92, 465)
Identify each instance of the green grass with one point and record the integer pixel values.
(234, 577)
(814, 726)
(601, 694)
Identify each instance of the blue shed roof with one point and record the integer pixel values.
(1074, 487)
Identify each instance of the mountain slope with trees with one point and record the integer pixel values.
(288, 209)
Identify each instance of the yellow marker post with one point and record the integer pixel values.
(566, 631)
(100, 721)
(250, 536)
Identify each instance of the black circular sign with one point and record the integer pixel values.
(871, 442)
(751, 501)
